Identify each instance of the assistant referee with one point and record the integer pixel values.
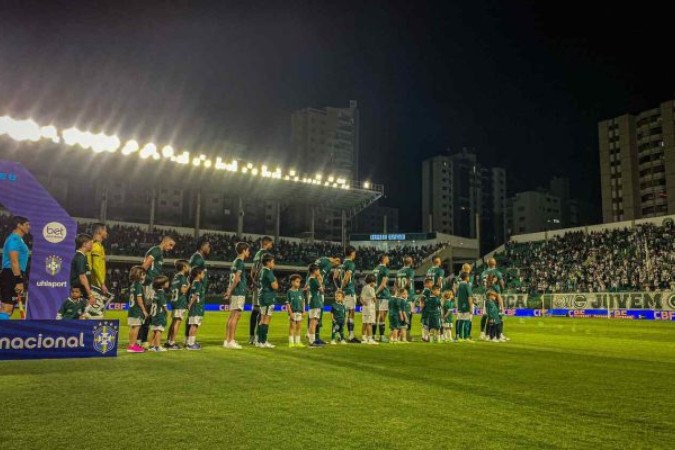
(14, 264)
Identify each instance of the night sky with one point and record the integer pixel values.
(524, 83)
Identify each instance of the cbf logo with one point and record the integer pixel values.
(54, 232)
(53, 264)
(105, 337)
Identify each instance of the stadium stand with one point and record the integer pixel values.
(641, 258)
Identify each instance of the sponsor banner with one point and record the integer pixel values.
(212, 307)
(511, 301)
(53, 232)
(664, 301)
(41, 339)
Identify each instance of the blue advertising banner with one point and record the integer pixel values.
(53, 232)
(41, 339)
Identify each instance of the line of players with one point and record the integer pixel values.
(150, 292)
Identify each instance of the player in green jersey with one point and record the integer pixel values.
(295, 306)
(436, 272)
(494, 307)
(266, 244)
(195, 306)
(153, 264)
(346, 273)
(179, 302)
(381, 273)
(492, 279)
(316, 294)
(404, 307)
(80, 272)
(158, 312)
(433, 305)
(467, 269)
(73, 307)
(268, 297)
(405, 278)
(448, 307)
(137, 313)
(198, 259)
(426, 293)
(236, 293)
(338, 313)
(464, 308)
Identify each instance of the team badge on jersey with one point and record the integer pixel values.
(105, 337)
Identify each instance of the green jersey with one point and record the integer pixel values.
(256, 271)
(238, 267)
(157, 263)
(79, 266)
(71, 309)
(497, 276)
(268, 296)
(158, 309)
(339, 312)
(325, 267)
(492, 309)
(197, 260)
(464, 293)
(405, 278)
(315, 294)
(197, 308)
(436, 273)
(448, 306)
(395, 304)
(433, 307)
(426, 293)
(295, 300)
(348, 266)
(382, 273)
(178, 299)
(136, 298)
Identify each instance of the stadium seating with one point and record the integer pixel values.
(636, 259)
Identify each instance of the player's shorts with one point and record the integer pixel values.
(349, 301)
(434, 323)
(266, 310)
(135, 321)
(394, 323)
(7, 286)
(368, 314)
(237, 302)
(382, 304)
(315, 313)
(296, 317)
(195, 320)
(156, 327)
(464, 316)
(178, 313)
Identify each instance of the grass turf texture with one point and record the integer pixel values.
(573, 383)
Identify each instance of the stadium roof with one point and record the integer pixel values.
(60, 152)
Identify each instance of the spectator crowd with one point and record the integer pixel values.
(636, 259)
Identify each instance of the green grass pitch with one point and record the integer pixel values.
(560, 383)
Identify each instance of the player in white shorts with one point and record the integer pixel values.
(381, 273)
(368, 313)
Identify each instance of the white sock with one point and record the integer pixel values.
(191, 340)
(291, 339)
(311, 338)
(351, 335)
